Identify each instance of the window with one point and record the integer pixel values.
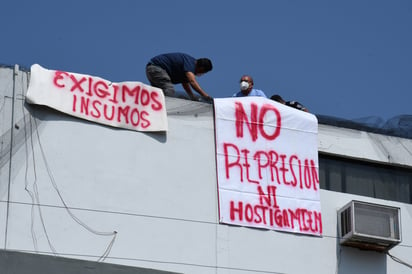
(364, 178)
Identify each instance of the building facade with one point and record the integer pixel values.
(73, 189)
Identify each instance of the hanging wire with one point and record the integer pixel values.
(34, 196)
(396, 259)
(26, 181)
(68, 210)
(108, 249)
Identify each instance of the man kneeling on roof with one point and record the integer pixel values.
(165, 70)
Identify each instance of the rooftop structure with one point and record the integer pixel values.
(86, 192)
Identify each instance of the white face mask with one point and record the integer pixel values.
(244, 85)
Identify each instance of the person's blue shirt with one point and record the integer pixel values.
(253, 92)
(176, 64)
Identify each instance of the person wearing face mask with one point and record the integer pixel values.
(246, 88)
(166, 70)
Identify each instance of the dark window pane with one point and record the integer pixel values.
(364, 178)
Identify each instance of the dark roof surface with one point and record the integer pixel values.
(399, 126)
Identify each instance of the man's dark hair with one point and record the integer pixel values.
(277, 98)
(204, 63)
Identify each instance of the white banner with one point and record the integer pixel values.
(131, 105)
(267, 165)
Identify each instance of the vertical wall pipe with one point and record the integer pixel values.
(15, 73)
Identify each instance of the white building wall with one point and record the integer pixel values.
(73, 183)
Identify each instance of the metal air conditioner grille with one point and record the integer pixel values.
(346, 222)
(377, 221)
(369, 226)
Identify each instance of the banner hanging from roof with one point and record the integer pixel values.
(267, 165)
(130, 105)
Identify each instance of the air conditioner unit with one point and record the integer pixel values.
(369, 226)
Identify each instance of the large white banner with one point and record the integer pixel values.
(131, 105)
(267, 165)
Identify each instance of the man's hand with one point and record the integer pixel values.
(207, 99)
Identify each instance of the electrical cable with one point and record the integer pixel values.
(26, 183)
(36, 196)
(396, 259)
(108, 249)
(68, 210)
(34, 193)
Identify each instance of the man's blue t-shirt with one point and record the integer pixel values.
(253, 92)
(176, 65)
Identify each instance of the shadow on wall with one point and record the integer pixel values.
(24, 263)
(356, 261)
(44, 113)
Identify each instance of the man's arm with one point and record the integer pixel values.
(188, 90)
(193, 83)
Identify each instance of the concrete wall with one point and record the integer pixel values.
(73, 183)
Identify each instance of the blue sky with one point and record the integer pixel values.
(348, 59)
